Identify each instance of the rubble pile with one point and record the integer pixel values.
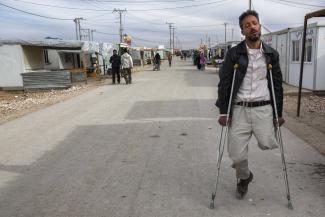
(23, 101)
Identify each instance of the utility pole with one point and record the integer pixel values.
(78, 29)
(225, 32)
(92, 34)
(250, 4)
(85, 34)
(209, 42)
(232, 34)
(173, 28)
(170, 36)
(121, 27)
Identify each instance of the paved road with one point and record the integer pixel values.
(145, 150)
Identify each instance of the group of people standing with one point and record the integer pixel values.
(121, 66)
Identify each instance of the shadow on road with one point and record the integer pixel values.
(203, 108)
(127, 169)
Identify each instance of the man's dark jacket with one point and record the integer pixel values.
(116, 61)
(238, 55)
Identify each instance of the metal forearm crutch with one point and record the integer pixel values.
(223, 138)
(279, 138)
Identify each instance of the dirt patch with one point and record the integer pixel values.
(310, 125)
(312, 110)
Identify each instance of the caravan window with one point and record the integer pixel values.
(295, 51)
(46, 56)
(308, 50)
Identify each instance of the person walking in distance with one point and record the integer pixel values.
(156, 61)
(127, 65)
(252, 111)
(202, 61)
(115, 60)
(170, 59)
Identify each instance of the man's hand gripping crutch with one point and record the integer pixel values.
(277, 123)
(225, 122)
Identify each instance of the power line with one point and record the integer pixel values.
(105, 33)
(140, 2)
(180, 7)
(30, 13)
(201, 26)
(295, 4)
(145, 40)
(146, 20)
(92, 9)
(56, 6)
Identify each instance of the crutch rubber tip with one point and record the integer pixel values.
(212, 205)
(290, 205)
(212, 201)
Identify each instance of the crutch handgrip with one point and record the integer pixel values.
(269, 66)
(236, 66)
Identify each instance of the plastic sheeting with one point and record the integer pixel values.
(105, 49)
(90, 47)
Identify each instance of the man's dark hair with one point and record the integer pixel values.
(115, 50)
(245, 14)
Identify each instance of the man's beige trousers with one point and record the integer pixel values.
(248, 121)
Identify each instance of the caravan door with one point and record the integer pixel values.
(281, 47)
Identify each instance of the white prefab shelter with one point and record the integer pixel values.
(18, 57)
(288, 43)
(279, 41)
(12, 64)
(314, 62)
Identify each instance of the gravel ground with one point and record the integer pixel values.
(14, 104)
(312, 110)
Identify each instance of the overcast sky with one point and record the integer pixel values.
(145, 20)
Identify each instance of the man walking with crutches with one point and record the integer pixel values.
(250, 99)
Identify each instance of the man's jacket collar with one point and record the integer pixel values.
(243, 50)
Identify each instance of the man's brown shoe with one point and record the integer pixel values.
(242, 186)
